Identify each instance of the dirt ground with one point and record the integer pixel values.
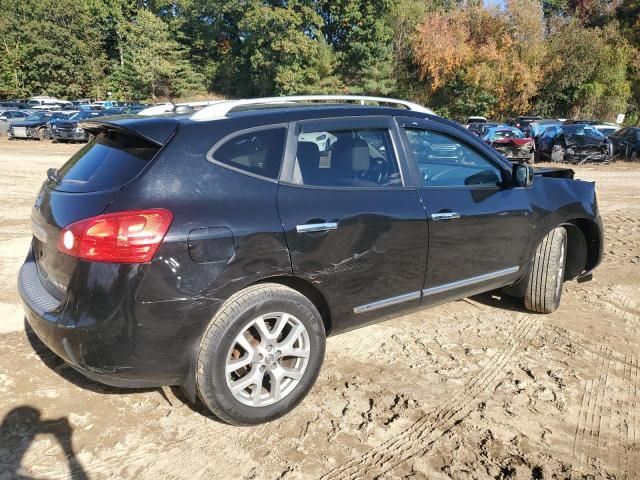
(473, 389)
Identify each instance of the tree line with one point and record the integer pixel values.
(561, 58)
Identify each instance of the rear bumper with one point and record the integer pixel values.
(135, 345)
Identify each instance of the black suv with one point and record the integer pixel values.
(217, 250)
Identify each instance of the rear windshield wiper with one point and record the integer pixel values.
(52, 174)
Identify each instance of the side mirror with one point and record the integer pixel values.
(522, 175)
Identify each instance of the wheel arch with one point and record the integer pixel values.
(583, 246)
(307, 289)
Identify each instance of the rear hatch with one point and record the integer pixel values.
(82, 188)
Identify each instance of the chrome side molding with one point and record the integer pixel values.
(469, 281)
(387, 302)
(316, 227)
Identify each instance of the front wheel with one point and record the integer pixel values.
(260, 355)
(547, 273)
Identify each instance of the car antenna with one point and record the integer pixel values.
(165, 91)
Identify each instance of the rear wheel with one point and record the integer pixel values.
(260, 355)
(547, 273)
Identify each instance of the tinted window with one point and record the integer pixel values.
(258, 152)
(110, 161)
(346, 158)
(445, 161)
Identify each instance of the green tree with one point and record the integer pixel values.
(153, 63)
(50, 47)
(585, 72)
(362, 37)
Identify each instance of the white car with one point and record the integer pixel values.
(323, 141)
(607, 129)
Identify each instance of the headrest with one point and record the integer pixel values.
(308, 152)
(350, 154)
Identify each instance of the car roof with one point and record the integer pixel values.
(156, 128)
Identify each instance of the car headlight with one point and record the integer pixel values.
(53, 126)
(570, 151)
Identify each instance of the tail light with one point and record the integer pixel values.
(122, 237)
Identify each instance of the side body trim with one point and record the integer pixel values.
(469, 281)
(387, 302)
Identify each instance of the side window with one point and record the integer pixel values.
(445, 161)
(346, 158)
(258, 152)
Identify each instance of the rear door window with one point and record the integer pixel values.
(111, 160)
(346, 158)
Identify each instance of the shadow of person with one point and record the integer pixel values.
(18, 430)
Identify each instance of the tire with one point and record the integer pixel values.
(634, 157)
(546, 276)
(236, 325)
(557, 155)
(42, 134)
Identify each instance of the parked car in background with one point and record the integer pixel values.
(53, 120)
(480, 129)
(134, 109)
(538, 127)
(475, 119)
(34, 126)
(217, 250)
(626, 144)
(11, 116)
(68, 130)
(512, 143)
(114, 111)
(522, 122)
(607, 129)
(574, 143)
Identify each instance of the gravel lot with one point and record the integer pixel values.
(473, 389)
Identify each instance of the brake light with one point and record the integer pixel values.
(122, 237)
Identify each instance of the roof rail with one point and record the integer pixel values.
(221, 109)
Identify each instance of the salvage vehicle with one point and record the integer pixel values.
(480, 128)
(217, 251)
(68, 130)
(34, 126)
(626, 143)
(523, 122)
(512, 143)
(606, 129)
(12, 116)
(475, 119)
(575, 143)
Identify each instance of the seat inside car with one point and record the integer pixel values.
(349, 158)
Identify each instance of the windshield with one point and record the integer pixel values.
(586, 130)
(35, 117)
(82, 115)
(497, 134)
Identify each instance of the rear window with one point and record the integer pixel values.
(257, 152)
(108, 162)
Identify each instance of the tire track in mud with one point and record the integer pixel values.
(424, 432)
(607, 423)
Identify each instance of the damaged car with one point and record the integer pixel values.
(68, 130)
(512, 143)
(34, 126)
(575, 143)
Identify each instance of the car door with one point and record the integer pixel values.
(480, 228)
(355, 228)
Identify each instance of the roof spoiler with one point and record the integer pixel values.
(155, 130)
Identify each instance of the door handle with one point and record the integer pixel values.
(444, 216)
(316, 227)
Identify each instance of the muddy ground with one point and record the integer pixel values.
(474, 389)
